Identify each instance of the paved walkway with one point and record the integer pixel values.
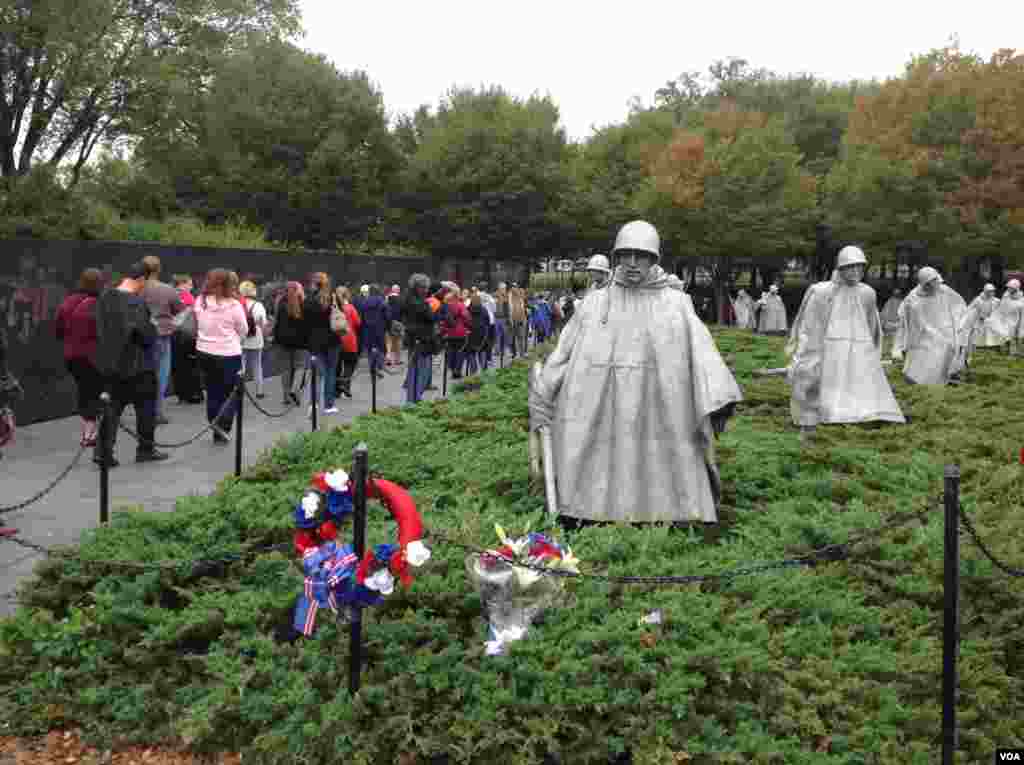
(43, 450)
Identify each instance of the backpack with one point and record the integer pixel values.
(339, 323)
(249, 320)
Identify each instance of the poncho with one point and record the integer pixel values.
(773, 314)
(744, 308)
(836, 368)
(1007, 321)
(890, 316)
(930, 335)
(978, 326)
(629, 393)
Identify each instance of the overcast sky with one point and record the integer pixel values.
(593, 57)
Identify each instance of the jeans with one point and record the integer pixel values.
(252, 364)
(163, 359)
(221, 373)
(139, 391)
(326, 366)
(348, 363)
(416, 376)
(456, 355)
(294, 360)
(519, 338)
(501, 336)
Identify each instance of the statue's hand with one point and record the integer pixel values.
(721, 417)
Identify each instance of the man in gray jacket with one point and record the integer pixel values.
(164, 303)
(126, 357)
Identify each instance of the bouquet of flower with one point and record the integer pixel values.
(514, 595)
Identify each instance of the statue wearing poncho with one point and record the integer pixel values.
(1007, 320)
(772, 319)
(978, 325)
(931, 331)
(836, 348)
(634, 394)
(744, 308)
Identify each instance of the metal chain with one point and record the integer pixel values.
(833, 552)
(52, 485)
(1006, 569)
(273, 415)
(211, 427)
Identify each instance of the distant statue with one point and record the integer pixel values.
(978, 323)
(599, 271)
(1008, 319)
(772, 313)
(743, 306)
(836, 352)
(628, 405)
(930, 333)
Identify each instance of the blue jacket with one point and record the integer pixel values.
(373, 311)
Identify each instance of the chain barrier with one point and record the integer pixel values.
(291, 407)
(1005, 568)
(832, 552)
(197, 566)
(53, 484)
(213, 426)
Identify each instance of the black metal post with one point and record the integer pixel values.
(105, 456)
(360, 462)
(313, 391)
(240, 392)
(951, 613)
(501, 349)
(373, 384)
(444, 372)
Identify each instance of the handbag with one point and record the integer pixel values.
(339, 324)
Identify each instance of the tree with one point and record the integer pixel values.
(76, 73)
(486, 177)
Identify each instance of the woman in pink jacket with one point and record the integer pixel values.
(221, 324)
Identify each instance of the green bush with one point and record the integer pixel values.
(560, 280)
(839, 663)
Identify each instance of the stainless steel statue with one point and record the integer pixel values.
(1008, 319)
(629, 403)
(931, 331)
(978, 324)
(772, 316)
(835, 347)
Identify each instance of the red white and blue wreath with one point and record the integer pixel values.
(335, 577)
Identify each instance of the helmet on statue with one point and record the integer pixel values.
(638, 235)
(599, 263)
(851, 256)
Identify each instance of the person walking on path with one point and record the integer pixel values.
(221, 325)
(324, 343)
(164, 303)
(373, 311)
(291, 334)
(349, 342)
(10, 391)
(393, 338)
(126, 356)
(519, 316)
(253, 343)
(76, 326)
(455, 328)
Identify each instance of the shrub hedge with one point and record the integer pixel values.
(839, 663)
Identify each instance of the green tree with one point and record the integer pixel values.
(76, 73)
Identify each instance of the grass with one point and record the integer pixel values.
(839, 663)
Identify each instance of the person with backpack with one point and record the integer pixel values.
(325, 319)
(253, 342)
(76, 326)
(291, 335)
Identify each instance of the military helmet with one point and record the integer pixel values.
(598, 263)
(638, 235)
(850, 256)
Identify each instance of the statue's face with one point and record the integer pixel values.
(931, 287)
(634, 265)
(852, 274)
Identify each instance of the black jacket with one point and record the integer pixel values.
(418, 318)
(318, 319)
(126, 335)
(289, 332)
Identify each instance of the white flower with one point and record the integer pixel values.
(337, 480)
(510, 634)
(526, 577)
(310, 504)
(417, 553)
(381, 582)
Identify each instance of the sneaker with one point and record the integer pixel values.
(161, 420)
(219, 438)
(112, 464)
(151, 456)
(295, 399)
(331, 410)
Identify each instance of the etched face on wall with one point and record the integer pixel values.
(634, 265)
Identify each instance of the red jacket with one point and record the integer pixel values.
(457, 323)
(350, 340)
(76, 326)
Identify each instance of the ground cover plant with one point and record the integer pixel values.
(839, 663)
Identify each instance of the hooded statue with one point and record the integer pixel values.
(836, 352)
(743, 306)
(1007, 321)
(772, 320)
(931, 331)
(890, 315)
(978, 322)
(634, 395)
